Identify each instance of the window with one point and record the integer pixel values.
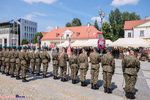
(78, 33)
(129, 34)
(25, 35)
(142, 33)
(29, 29)
(57, 34)
(25, 28)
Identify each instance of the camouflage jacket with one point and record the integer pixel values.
(7, 56)
(38, 57)
(95, 60)
(12, 56)
(130, 65)
(73, 61)
(83, 60)
(0, 55)
(18, 61)
(45, 57)
(63, 59)
(24, 58)
(55, 58)
(3, 55)
(108, 63)
(32, 57)
(28, 54)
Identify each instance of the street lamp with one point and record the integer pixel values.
(102, 15)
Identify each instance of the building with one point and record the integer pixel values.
(137, 29)
(14, 31)
(59, 35)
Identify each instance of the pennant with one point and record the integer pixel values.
(12, 21)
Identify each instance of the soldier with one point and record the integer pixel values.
(28, 62)
(108, 66)
(121, 53)
(55, 59)
(45, 60)
(73, 62)
(95, 60)
(63, 58)
(12, 61)
(0, 58)
(32, 60)
(3, 59)
(83, 66)
(24, 65)
(38, 61)
(130, 68)
(7, 61)
(18, 63)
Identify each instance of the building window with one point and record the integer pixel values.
(78, 33)
(129, 34)
(142, 33)
(44, 44)
(25, 28)
(57, 34)
(31, 29)
(25, 35)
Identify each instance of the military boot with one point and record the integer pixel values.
(109, 90)
(24, 80)
(84, 84)
(3, 72)
(128, 95)
(38, 74)
(7, 74)
(44, 76)
(132, 96)
(74, 82)
(18, 78)
(64, 80)
(91, 85)
(32, 73)
(12, 76)
(105, 89)
(95, 87)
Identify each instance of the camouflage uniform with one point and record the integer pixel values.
(73, 62)
(18, 63)
(38, 62)
(3, 61)
(63, 65)
(55, 59)
(83, 66)
(108, 66)
(130, 68)
(32, 61)
(7, 61)
(12, 62)
(0, 60)
(95, 60)
(120, 54)
(45, 60)
(28, 62)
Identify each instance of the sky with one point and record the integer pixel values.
(51, 13)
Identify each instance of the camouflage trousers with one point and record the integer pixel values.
(121, 56)
(32, 66)
(38, 66)
(74, 72)
(45, 67)
(24, 69)
(12, 68)
(94, 75)
(7, 67)
(55, 69)
(107, 76)
(83, 72)
(130, 82)
(63, 71)
(0, 64)
(3, 65)
(18, 68)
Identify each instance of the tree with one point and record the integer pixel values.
(76, 22)
(68, 24)
(35, 37)
(24, 41)
(96, 25)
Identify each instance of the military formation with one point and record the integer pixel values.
(17, 62)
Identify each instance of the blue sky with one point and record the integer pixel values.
(51, 13)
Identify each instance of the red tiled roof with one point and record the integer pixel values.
(44, 33)
(79, 29)
(130, 24)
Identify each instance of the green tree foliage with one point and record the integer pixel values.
(35, 37)
(96, 25)
(68, 24)
(24, 41)
(76, 22)
(107, 31)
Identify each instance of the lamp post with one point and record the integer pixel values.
(102, 15)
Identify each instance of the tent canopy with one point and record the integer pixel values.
(65, 44)
(133, 42)
(77, 43)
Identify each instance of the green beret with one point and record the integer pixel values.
(63, 47)
(4, 47)
(38, 48)
(95, 48)
(133, 49)
(109, 48)
(19, 48)
(0, 47)
(25, 47)
(74, 51)
(14, 47)
(57, 48)
(33, 48)
(28, 47)
(101, 55)
(45, 48)
(84, 48)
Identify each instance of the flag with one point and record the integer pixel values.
(94, 34)
(69, 50)
(12, 21)
(99, 32)
(19, 20)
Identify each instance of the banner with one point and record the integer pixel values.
(69, 50)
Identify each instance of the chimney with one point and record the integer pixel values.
(88, 25)
(146, 17)
(57, 27)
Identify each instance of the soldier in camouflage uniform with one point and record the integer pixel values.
(7, 61)
(3, 59)
(130, 68)
(83, 66)
(32, 60)
(24, 63)
(73, 62)
(28, 62)
(55, 59)
(12, 61)
(0, 58)
(45, 60)
(108, 66)
(18, 63)
(63, 58)
(95, 60)
(38, 61)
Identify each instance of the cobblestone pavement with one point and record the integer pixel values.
(39, 88)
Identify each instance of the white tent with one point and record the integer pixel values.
(65, 44)
(133, 42)
(77, 43)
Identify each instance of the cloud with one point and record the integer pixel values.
(35, 14)
(37, 1)
(118, 3)
(49, 28)
(98, 19)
